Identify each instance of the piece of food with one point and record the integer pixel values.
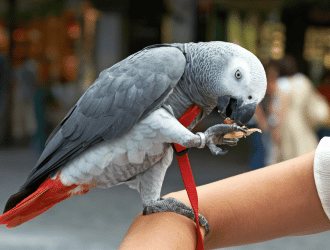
(239, 134)
(228, 121)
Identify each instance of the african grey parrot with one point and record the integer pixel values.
(121, 129)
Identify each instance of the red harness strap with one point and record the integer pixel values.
(186, 173)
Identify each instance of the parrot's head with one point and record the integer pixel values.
(244, 81)
(236, 80)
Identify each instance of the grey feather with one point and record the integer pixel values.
(104, 112)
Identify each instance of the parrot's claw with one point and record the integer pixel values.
(216, 150)
(173, 205)
(215, 136)
(231, 142)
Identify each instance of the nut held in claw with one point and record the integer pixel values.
(239, 134)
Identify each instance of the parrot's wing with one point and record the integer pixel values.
(117, 100)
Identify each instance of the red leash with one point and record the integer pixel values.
(186, 173)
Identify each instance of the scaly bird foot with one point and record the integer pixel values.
(173, 205)
(215, 136)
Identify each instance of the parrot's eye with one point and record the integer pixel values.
(238, 74)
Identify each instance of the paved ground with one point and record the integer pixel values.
(99, 219)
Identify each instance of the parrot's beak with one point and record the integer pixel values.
(236, 109)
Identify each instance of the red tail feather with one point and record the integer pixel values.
(47, 195)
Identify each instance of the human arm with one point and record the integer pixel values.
(276, 201)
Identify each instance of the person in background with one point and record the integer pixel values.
(298, 110)
(65, 89)
(4, 86)
(4, 96)
(277, 110)
(25, 73)
(257, 148)
(324, 89)
(42, 99)
(262, 148)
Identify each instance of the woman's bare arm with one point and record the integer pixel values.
(276, 201)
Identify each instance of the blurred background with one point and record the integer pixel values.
(51, 51)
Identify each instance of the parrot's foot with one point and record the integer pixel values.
(215, 136)
(173, 205)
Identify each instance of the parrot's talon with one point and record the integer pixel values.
(173, 205)
(241, 129)
(231, 142)
(145, 211)
(222, 152)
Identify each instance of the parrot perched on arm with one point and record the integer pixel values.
(120, 131)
